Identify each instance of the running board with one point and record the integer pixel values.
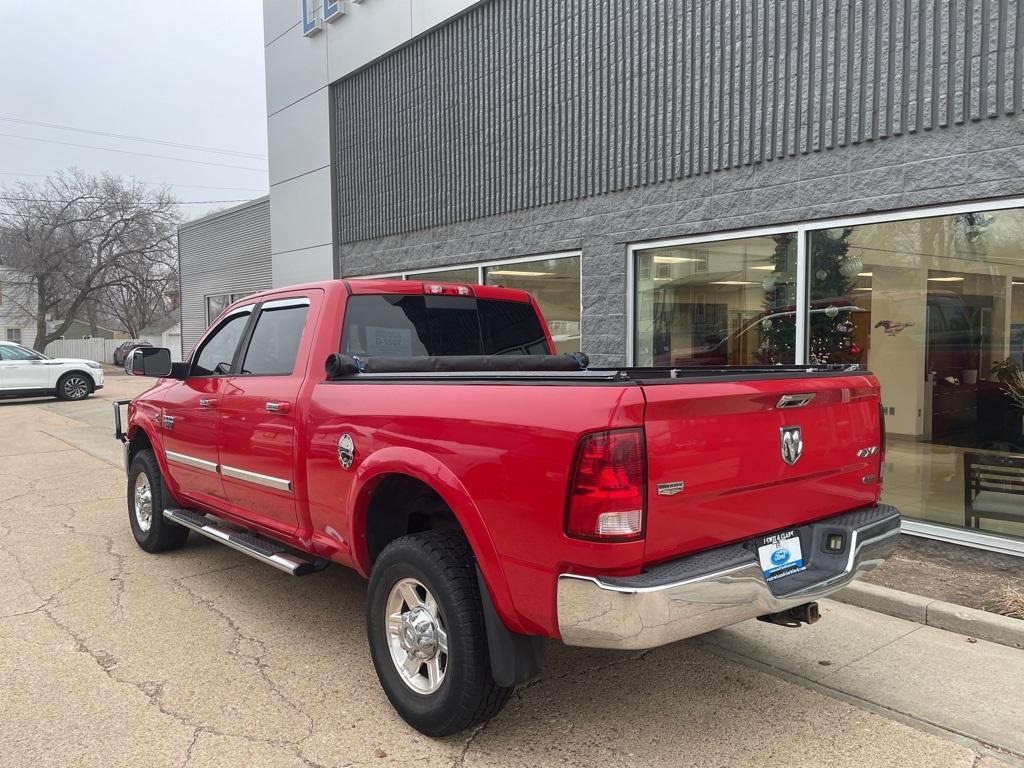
(259, 547)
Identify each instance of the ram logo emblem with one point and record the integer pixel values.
(792, 444)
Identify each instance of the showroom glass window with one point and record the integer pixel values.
(219, 302)
(469, 275)
(727, 302)
(555, 284)
(935, 308)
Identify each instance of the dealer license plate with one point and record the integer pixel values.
(780, 555)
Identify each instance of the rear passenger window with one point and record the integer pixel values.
(275, 340)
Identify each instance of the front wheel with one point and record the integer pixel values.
(147, 498)
(426, 632)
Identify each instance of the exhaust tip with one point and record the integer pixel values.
(808, 613)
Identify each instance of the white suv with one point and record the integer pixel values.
(25, 372)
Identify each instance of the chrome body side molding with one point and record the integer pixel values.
(191, 461)
(256, 479)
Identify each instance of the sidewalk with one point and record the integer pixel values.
(935, 680)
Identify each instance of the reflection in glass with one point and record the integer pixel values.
(215, 305)
(468, 275)
(935, 308)
(729, 302)
(555, 284)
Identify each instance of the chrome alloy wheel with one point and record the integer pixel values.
(76, 387)
(143, 502)
(417, 637)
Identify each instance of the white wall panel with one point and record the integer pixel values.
(296, 67)
(300, 212)
(299, 138)
(281, 15)
(427, 15)
(368, 30)
(305, 266)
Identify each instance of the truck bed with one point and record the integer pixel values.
(507, 439)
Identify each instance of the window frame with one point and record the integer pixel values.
(286, 302)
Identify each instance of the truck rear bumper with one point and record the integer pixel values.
(719, 587)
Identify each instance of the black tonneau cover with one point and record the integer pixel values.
(571, 365)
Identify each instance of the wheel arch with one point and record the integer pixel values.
(387, 464)
(141, 436)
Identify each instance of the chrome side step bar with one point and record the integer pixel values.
(258, 547)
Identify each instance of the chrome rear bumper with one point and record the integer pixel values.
(717, 588)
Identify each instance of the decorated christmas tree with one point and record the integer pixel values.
(833, 277)
(778, 326)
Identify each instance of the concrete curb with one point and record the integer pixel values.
(934, 613)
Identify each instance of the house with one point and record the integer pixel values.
(17, 302)
(80, 329)
(165, 331)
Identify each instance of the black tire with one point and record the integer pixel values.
(443, 563)
(160, 535)
(75, 386)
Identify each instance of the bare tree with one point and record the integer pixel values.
(74, 237)
(142, 292)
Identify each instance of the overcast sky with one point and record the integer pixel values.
(186, 72)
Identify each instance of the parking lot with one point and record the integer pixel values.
(202, 657)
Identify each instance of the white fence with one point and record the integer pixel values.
(102, 350)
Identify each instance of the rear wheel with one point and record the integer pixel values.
(426, 632)
(147, 499)
(74, 386)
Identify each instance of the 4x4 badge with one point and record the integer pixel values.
(792, 444)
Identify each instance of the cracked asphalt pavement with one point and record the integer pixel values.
(203, 657)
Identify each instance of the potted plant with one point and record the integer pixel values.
(970, 374)
(1005, 371)
(1011, 377)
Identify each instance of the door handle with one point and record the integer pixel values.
(278, 407)
(207, 402)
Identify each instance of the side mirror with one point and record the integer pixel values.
(148, 361)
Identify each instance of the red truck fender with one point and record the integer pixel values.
(139, 423)
(432, 473)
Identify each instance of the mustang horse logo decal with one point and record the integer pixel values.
(891, 327)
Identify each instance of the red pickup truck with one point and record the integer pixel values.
(496, 494)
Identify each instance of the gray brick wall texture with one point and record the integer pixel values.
(522, 128)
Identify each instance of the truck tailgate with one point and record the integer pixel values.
(723, 442)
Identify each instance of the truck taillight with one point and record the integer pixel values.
(606, 497)
(435, 289)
